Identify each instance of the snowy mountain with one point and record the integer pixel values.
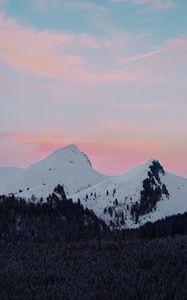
(67, 166)
(145, 193)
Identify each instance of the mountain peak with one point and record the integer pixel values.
(72, 152)
(145, 166)
(71, 147)
(154, 168)
(156, 164)
(151, 161)
(68, 166)
(63, 158)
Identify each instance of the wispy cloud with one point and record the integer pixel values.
(55, 54)
(85, 58)
(158, 4)
(138, 57)
(43, 141)
(7, 135)
(42, 52)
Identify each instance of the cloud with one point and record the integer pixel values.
(138, 57)
(86, 59)
(158, 4)
(35, 51)
(43, 142)
(169, 63)
(7, 135)
(166, 63)
(61, 55)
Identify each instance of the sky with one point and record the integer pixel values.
(109, 76)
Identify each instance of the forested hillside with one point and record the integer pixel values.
(131, 270)
(57, 220)
(59, 250)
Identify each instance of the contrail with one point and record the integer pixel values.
(138, 57)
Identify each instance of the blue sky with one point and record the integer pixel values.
(92, 17)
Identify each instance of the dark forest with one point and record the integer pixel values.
(59, 250)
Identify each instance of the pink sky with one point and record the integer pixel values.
(111, 157)
(80, 73)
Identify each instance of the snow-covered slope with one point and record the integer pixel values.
(67, 166)
(145, 193)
